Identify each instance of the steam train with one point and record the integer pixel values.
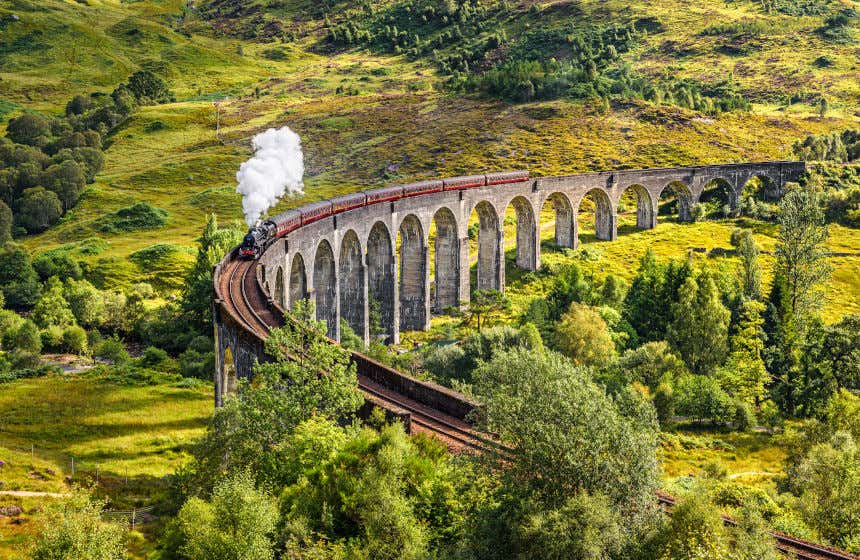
(262, 235)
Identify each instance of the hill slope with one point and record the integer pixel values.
(369, 116)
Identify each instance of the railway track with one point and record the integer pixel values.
(792, 547)
(239, 286)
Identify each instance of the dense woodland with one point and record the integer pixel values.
(592, 381)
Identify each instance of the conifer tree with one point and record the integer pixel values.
(643, 306)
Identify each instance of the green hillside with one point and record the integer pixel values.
(368, 116)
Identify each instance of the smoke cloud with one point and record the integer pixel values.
(276, 169)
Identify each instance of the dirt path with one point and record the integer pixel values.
(28, 494)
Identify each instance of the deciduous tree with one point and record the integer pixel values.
(74, 530)
(38, 209)
(583, 336)
(801, 253)
(699, 329)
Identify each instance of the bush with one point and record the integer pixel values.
(237, 523)
(699, 397)
(52, 338)
(148, 88)
(112, 350)
(30, 129)
(446, 362)
(733, 495)
(56, 263)
(74, 530)
(131, 218)
(198, 360)
(18, 280)
(6, 219)
(75, 340)
(153, 356)
(664, 403)
(744, 417)
(24, 338)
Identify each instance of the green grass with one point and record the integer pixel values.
(137, 430)
(169, 156)
(753, 459)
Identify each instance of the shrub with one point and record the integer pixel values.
(148, 88)
(75, 340)
(75, 530)
(131, 218)
(154, 254)
(274, 54)
(196, 364)
(18, 280)
(6, 219)
(700, 397)
(57, 263)
(664, 403)
(446, 362)
(52, 338)
(30, 129)
(744, 419)
(112, 350)
(237, 523)
(24, 338)
(52, 308)
(153, 356)
(67, 179)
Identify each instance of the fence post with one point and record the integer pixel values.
(97, 474)
(33, 454)
(133, 517)
(73, 466)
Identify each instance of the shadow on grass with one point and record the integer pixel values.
(55, 414)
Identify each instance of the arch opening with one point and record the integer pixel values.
(279, 287)
(298, 281)
(635, 209)
(718, 200)
(351, 278)
(485, 235)
(520, 214)
(445, 247)
(595, 216)
(380, 281)
(759, 197)
(676, 200)
(558, 209)
(325, 287)
(412, 275)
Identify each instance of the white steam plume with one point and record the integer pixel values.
(276, 169)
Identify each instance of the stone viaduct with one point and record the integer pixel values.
(378, 256)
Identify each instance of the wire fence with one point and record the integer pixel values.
(81, 472)
(130, 518)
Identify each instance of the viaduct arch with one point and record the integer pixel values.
(370, 266)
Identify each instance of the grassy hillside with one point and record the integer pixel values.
(135, 431)
(369, 117)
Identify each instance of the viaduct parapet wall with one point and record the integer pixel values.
(379, 255)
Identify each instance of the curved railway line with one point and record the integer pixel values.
(238, 286)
